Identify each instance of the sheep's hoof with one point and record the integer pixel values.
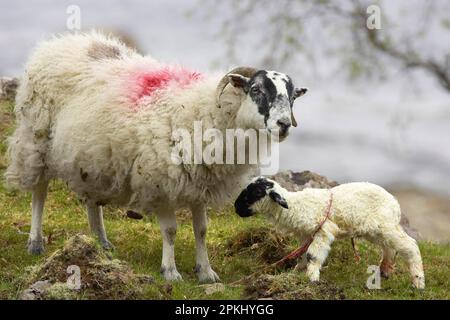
(171, 274)
(108, 245)
(35, 247)
(206, 274)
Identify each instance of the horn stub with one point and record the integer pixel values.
(244, 71)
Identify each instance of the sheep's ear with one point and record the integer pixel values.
(278, 199)
(237, 80)
(298, 92)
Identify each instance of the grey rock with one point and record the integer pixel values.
(8, 88)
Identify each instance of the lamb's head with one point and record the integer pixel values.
(261, 192)
(267, 98)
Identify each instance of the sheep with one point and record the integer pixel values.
(358, 209)
(101, 117)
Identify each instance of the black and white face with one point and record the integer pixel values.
(258, 189)
(270, 96)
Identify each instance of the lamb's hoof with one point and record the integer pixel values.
(419, 282)
(313, 278)
(108, 246)
(171, 274)
(35, 247)
(206, 274)
(385, 274)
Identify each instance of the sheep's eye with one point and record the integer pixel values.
(256, 90)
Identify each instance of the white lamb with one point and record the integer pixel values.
(357, 210)
(100, 116)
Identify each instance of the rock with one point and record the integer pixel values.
(134, 215)
(8, 87)
(412, 232)
(213, 288)
(35, 291)
(297, 181)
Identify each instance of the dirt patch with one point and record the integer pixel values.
(101, 277)
(265, 244)
(290, 286)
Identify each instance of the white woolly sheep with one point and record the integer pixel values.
(99, 116)
(356, 210)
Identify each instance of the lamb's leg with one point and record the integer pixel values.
(317, 253)
(387, 265)
(95, 217)
(407, 248)
(168, 226)
(202, 267)
(36, 240)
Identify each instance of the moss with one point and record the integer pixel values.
(60, 291)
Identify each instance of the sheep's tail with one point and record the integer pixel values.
(27, 146)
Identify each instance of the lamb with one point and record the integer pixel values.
(355, 210)
(101, 117)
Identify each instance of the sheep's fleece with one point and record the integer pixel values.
(358, 209)
(90, 113)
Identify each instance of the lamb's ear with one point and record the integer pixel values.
(237, 80)
(298, 92)
(278, 199)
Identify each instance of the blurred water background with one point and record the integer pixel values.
(391, 129)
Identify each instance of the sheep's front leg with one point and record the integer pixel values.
(317, 254)
(36, 241)
(95, 218)
(168, 226)
(202, 267)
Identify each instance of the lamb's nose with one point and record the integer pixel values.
(284, 126)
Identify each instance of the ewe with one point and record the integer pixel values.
(99, 116)
(349, 210)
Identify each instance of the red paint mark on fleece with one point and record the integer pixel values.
(146, 82)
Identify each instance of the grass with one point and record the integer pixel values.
(138, 243)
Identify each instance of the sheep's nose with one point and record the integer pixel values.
(284, 126)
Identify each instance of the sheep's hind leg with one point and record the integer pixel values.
(36, 241)
(95, 217)
(168, 226)
(317, 254)
(202, 267)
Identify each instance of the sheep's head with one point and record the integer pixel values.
(257, 190)
(267, 99)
